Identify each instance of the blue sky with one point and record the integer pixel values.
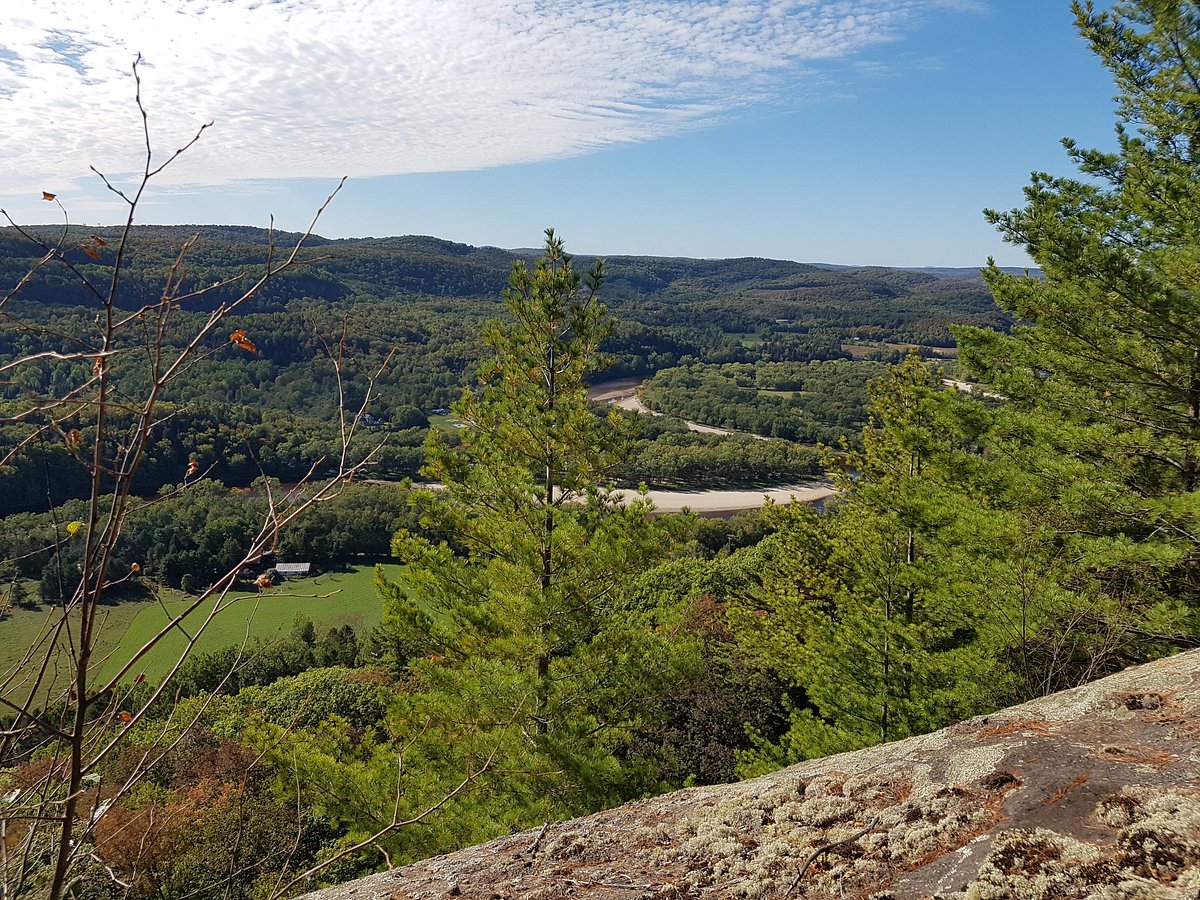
(845, 131)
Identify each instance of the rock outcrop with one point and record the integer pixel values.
(1093, 792)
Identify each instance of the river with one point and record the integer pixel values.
(624, 393)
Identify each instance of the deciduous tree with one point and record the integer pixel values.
(60, 721)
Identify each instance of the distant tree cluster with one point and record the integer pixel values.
(235, 445)
(191, 534)
(688, 460)
(821, 401)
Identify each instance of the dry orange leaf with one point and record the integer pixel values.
(135, 568)
(125, 717)
(264, 581)
(90, 251)
(239, 338)
(192, 469)
(99, 240)
(46, 195)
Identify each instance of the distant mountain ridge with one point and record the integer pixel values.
(734, 295)
(971, 273)
(428, 244)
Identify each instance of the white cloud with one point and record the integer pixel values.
(321, 88)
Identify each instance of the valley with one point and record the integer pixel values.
(564, 655)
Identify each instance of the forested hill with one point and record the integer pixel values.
(965, 273)
(734, 294)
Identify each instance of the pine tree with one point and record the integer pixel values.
(994, 547)
(522, 648)
(873, 609)
(1101, 377)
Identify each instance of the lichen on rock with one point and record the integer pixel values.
(1094, 793)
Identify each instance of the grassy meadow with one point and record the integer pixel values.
(445, 423)
(27, 628)
(341, 597)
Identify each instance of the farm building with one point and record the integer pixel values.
(293, 570)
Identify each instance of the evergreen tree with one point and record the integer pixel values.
(1044, 531)
(1101, 379)
(873, 609)
(524, 656)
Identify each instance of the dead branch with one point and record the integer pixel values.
(821, 851)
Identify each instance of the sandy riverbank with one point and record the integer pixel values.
(715, 503)
(623, 393)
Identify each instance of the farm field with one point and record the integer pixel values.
(24, 627)
(444, 422)
(345, 597)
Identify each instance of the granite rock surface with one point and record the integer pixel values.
(1090, 793)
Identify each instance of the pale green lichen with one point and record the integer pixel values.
(821, 812)
(746, 847)
(973, 763)
(1156, 855)
(1034, 864)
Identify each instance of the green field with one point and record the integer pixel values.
(748, 339)
(344, 597)
(859, 349)
(787, 395)
(25, 627)
(446, 423)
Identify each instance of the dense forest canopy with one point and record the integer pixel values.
(420, 304)
(658, 291)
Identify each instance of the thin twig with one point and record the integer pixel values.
(537, 842)
(821, 851)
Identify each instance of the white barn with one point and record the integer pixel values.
(292, 570)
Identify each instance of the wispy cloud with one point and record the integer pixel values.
(320, 88)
